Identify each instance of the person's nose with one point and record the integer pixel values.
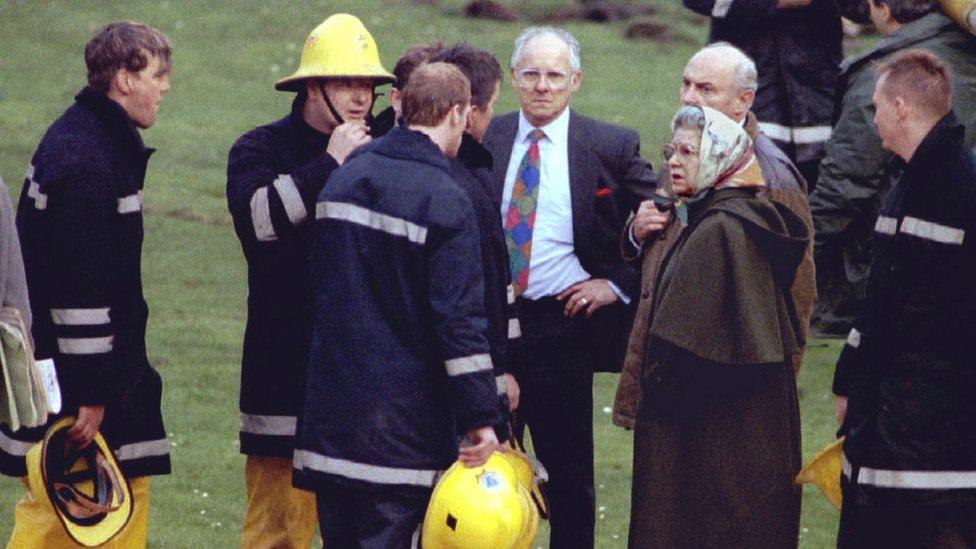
(690, 97)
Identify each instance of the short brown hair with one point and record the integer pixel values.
(432, 91)
(480, 66)
(921, 78)
(123, 45)
(411, 59)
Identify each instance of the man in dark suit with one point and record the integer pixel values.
(565, 184)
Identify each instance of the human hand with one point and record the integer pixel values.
(89, 420)
(840, 409)
(648, 219)
(588, 295)
(477, 446)
(513, 391)
(347, 137)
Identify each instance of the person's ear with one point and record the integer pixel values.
(746, 98)
(901, 109)
(122, 82)
(472, 112)
(576, 81)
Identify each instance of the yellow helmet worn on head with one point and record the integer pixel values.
(479, 508)
(823, 469)
(340, 47)
(85, 488)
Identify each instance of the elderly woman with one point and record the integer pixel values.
(717, 436)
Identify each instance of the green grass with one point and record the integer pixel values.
(226, 57)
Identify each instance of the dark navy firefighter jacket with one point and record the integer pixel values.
(399, 366)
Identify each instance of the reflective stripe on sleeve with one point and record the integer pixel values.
(801, 135)
(854, 338)
(40, 199)
(721, 8)
(130, 204)
(268, 425)
(139, 450)
(932, 231)
(886, 225)
(352, 213)
(261, 216)
(514, 328)
(468, 365)
(511, 294)
(376, 474)
(501, 384)
(291, 199)
(911, 480)
(85, 345)
(14, 447)
(80, 317)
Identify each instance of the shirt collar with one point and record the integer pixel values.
(557, 131)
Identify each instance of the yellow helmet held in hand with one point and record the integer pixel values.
(340, 47)
(479, 508)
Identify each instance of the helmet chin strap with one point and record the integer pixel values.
(335, 113)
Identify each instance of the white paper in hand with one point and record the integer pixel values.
(49, 377)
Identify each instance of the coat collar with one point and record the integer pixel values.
(911, 33)
(943, 141)
(116, 120)
(315, 139)
(407, 144)
(474, 155)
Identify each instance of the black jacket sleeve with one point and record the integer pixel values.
(637, 182)
(734, 11)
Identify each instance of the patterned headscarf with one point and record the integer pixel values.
(725, 157)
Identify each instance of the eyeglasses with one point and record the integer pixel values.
(529, 78)
(669, 150)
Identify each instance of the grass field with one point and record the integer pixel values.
(227, 55)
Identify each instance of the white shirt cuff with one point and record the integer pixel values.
(632, 238)
(622, 296)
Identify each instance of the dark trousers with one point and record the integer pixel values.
(556, 404)
(911, 527)
(370, 517)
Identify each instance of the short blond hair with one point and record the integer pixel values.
(432, 91)
(920, 77)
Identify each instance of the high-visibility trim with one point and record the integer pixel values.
(932, 231)
(80, 317)
(911, 480)
(85, 345)
(13, 447)
(291, 199)
(721, 8)
(501, 384)
(139, 450)
(40, 199)
(854, 338)
(511, 294)
(130, 204)
(376, 474)
(255, 424)
(261, 216)
(468, 365)
(801, 135)
(30, 171)
(352, 213)
(886, 225)
(514, 328)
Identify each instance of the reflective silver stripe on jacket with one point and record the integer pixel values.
(911, 480)
(801, 135)
(85, 345)
(468, 365)
(13, 447)
(374, 220)
(139, 450)
(514, 328)
(376, 474)
(721, 8)
(40, 199)
(501, 384)
(261, 216)
(854, 338)
(80, 317)
(268, 425)
(886, 225)
(932, 231)
(130, 204)
(511, 294)
(291, 199)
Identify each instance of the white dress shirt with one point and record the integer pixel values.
(553, 265)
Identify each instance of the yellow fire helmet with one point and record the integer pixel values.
(962, 12)
(823, 469)
(340, 47)
(479, 508)
(85, 488)
(530, 474)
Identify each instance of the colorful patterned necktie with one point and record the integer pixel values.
(520, 218)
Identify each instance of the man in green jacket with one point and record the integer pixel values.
(854, 174)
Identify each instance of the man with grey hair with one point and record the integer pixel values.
(722, 77)
(855, 174)
(797, 46)
(565, 184)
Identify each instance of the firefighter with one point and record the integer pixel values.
(80, 225)
(274, 174)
